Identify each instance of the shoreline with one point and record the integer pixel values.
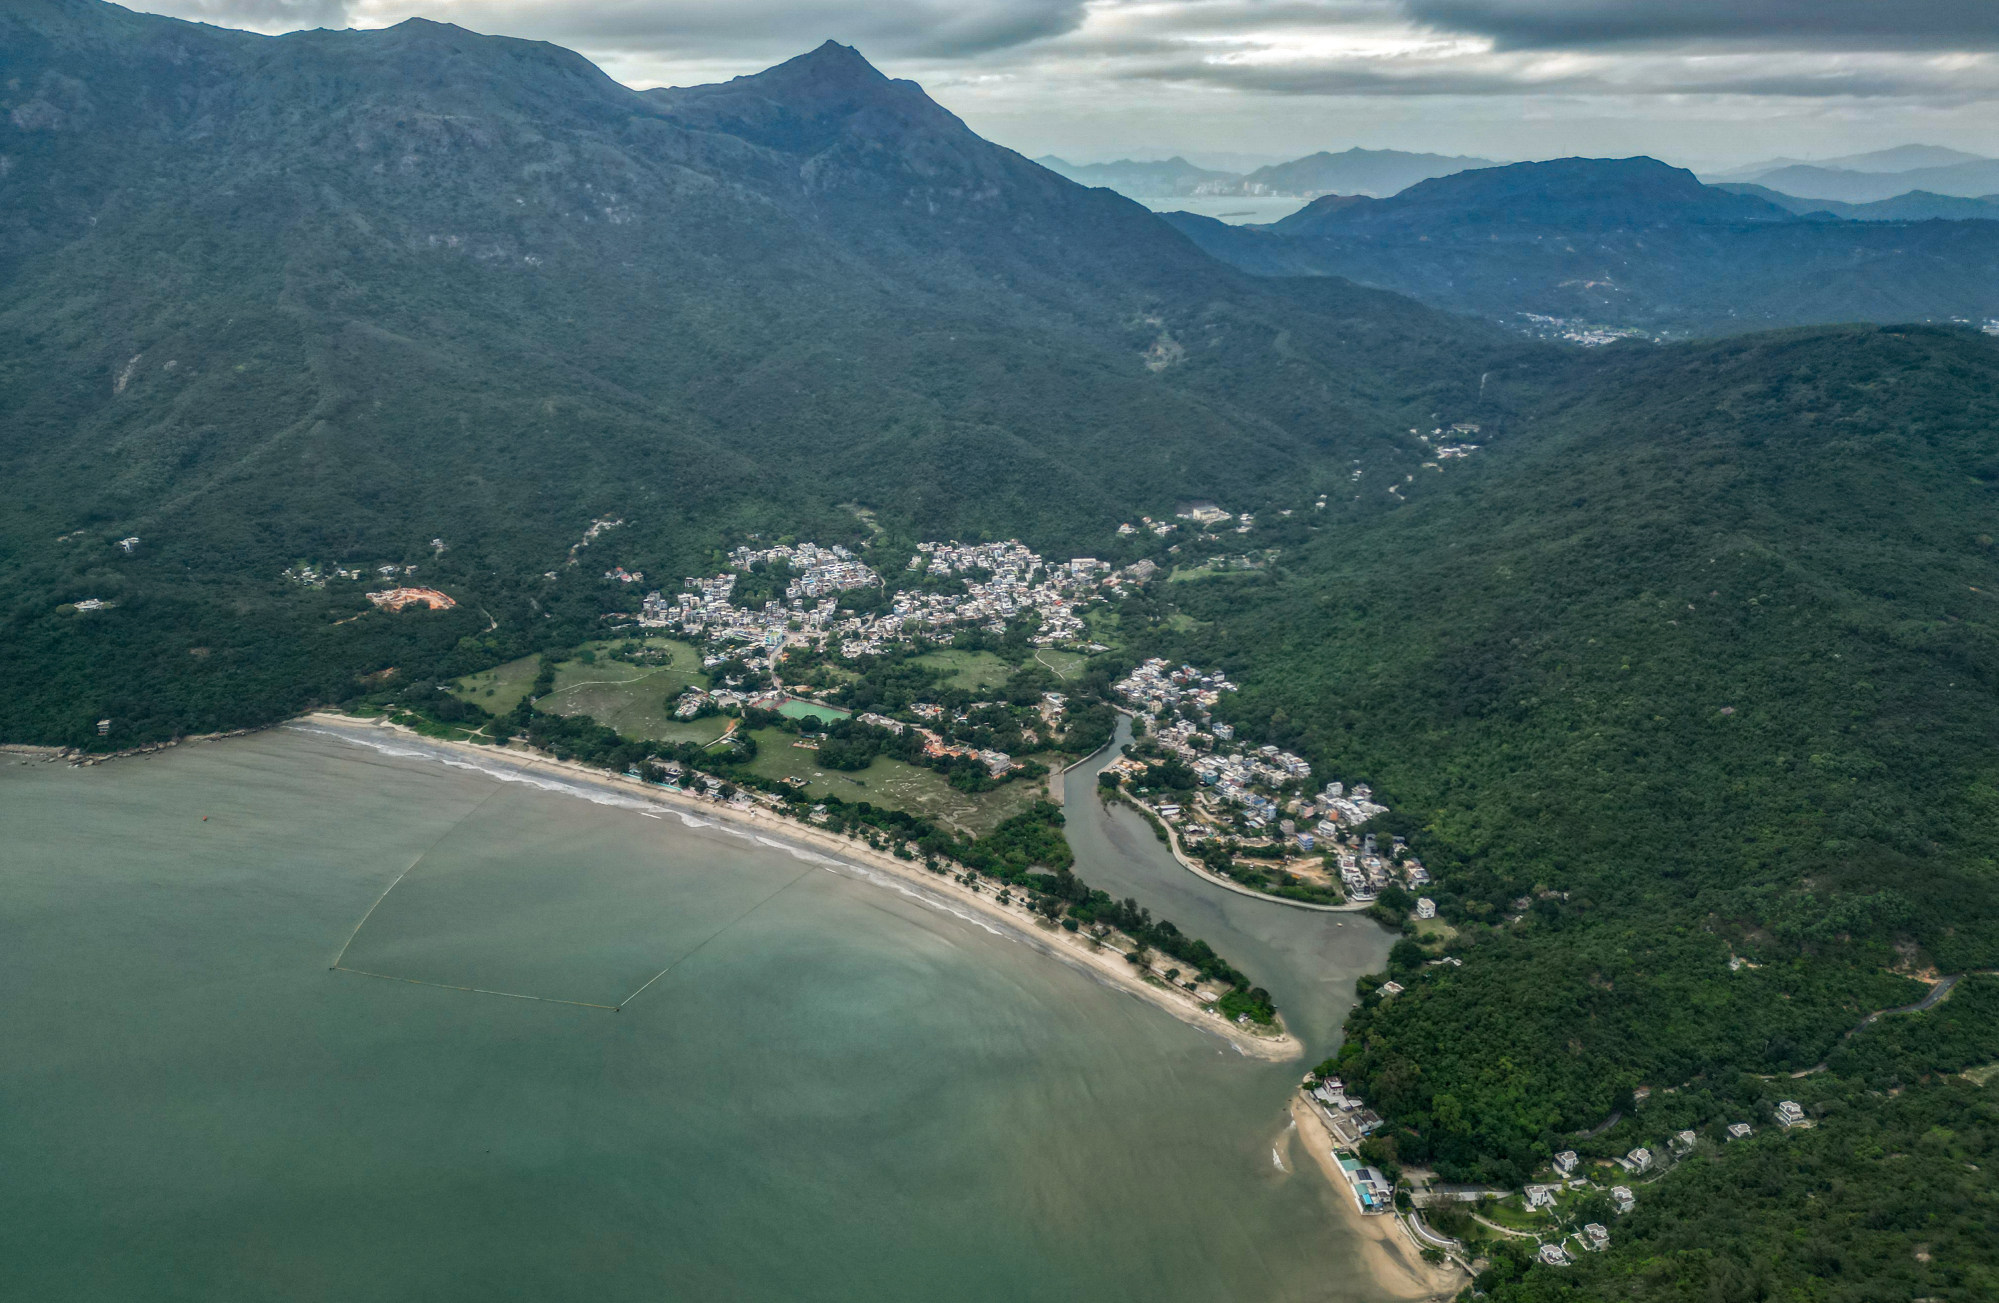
(1200, 871)
(1103, 963)
(1387, 1253)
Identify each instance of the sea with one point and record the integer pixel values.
(290, 1016)
(1236, 210)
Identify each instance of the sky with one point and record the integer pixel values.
(1702, 83)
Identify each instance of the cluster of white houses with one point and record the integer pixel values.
(997, 581)
(1255, 792)
(816, 571)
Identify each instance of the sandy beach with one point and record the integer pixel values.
(1105, 964)
(1392, 1259)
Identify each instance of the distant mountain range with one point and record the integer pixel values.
(1628, 243)
(1170, 178)
(1807, 181)
(1901, 158)
(1916, 206)
(1372, 172)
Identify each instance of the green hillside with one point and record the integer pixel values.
(1694, 662)
(326, 297)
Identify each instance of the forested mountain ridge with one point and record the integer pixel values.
(1625, 243)
(326, 296)
(1684, 688)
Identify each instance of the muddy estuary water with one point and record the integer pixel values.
(829, 1090)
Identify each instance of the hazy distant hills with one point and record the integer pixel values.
(1916, 206)
(1576, 193)
(1356, 172)
(1883, 174)
(1978, 177)
(1901, 158)
(1627, 243)
(1173, 177)
(1351, 172)
(1908, 181)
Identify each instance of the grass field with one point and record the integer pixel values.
(632, 698)
(1434, 929)
(893, 784)
(1066, 665)
(1194, 574)
(1103, 626)
(970, 670)
(501, 688)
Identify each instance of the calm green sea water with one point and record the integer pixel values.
(835, 1091)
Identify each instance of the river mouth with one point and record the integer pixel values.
(1307, 960)
(835, 1092)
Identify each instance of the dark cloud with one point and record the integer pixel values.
(775, 29)
(1787, 24)
(1757, 78)
(262, 15)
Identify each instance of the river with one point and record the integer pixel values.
(1306, 959)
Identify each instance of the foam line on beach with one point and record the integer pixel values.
(505, 774)
(509, 774)
(902, 880)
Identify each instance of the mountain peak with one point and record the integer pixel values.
(831, 54)
(805, 103)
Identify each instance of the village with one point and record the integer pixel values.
(1258, 798)
(999, 581)
(1558, 1214)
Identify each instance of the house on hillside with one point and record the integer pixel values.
(1789, 1114)
(1565, 1162)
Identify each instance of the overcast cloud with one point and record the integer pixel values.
(1694, 81)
